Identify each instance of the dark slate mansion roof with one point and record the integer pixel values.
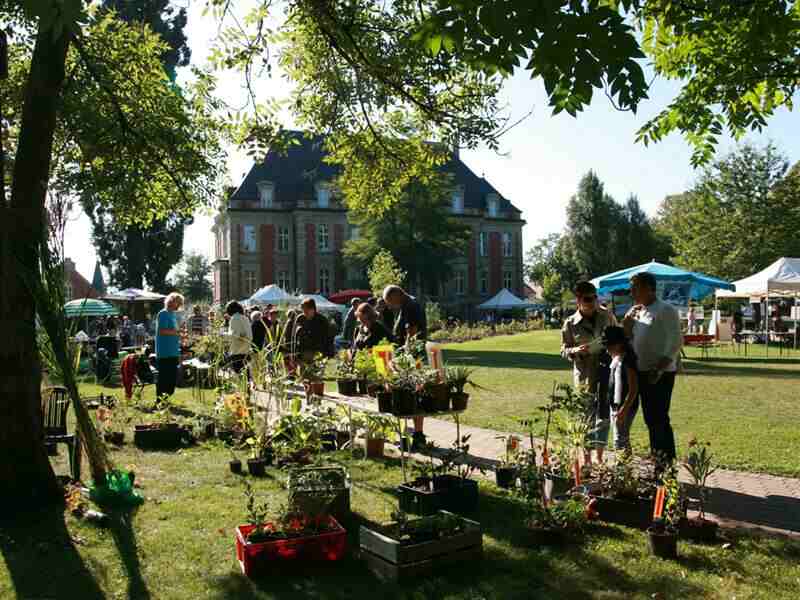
(295, 170)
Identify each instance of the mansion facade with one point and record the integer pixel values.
(285, 224)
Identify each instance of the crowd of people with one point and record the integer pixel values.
(624, 366)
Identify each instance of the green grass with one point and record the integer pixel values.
(179, 545)
(747, 407)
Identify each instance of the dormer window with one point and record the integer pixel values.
(493, 203)
(323, 195)
(265, 194)
(457, 201)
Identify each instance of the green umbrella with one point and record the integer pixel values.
(88, 307)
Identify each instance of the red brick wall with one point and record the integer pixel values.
(338, 268)
(495, 262)
(267, 254)
(81, 288)
(311, 258)
(472, 262)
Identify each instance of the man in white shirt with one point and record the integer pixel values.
(655, 329)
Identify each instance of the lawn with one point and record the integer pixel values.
(747, 407)
(179, 545)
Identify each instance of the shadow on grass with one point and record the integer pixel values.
(507, 360)
(42, 559)
(711, 368)
(121, 527)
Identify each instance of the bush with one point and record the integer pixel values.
(478, 331)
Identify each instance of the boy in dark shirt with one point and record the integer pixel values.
(623, 385)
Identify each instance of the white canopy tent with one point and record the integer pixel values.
(504, 300)
(272, 294)
(781, 278)
(323, 304)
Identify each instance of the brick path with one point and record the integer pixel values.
(737, 499)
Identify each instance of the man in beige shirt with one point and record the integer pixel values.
(581, 344)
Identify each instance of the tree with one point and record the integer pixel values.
(135, 253)
(743, 214)
(384, 271)
(114, 73)
(192, 279)
(551, 263)
(419, 233)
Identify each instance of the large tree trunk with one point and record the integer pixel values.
(25, 473)
(135, 250)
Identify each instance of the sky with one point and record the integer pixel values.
(538, 166)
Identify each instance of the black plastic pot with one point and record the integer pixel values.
(169, 436)
(256, 467)
(210, 430)
(404, 402)
(440, 397)
(449, 493)
(426, 402)
(698, 530)
(505, 477)
(373, 389)
(347, 387)
(235, 466)
(561, 485)
(362, 387)
(459, 401)
(385, 402)
(663, 543)
(115, 437)
(636, 513)
(328, 439)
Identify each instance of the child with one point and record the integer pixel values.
(623, 385)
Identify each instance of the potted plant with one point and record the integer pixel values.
(261, 454)
(699, 465)
(444, 487)
(506, 472)
(663, 533)
(232, 414)
(379, 429)
(436, 393)
(296, 439)
(405, 382)
(457, 379)
(234, 464)
(106, 421)
(366, 370)
(409, 548)
(623, 497)
(163, 432)
(311, 373)
(268, 541)
(346, 376)
(549, 521)
(320, 490)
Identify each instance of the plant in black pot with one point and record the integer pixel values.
(405, 381)
(234, 464)
(506, 472)
(436, 391)
(699, 464)
(667, 513)
(366, 370)
(457, 379)
(624, 497)
(260, 447)
(112, 432)
(346, 375)
(312, 373)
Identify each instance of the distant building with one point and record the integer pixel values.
(76, 285)
(533, 292)
(286, 224)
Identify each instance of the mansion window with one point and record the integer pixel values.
(324, 281)
(283, 239)
(493, 206)
(507, 280)
(484, 283)
(283, 280)
(482, 243)
(457, 202)
(323, 238)
(507, 247)
(265, 193)
(249, 238)
(355, 232)
(460, 283)
(323, 196)
(249, 282)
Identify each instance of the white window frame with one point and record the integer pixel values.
(483, 238)
(324, 281)
(355, 232)
(249, 243)
(265, 194)
(494, 205)
(484, 282)
(508, 245)
(323, 195)
(508, 278)
(323, 237)
(250, 282)
(457, 201)
(460, 283)
(283, 239)
(283, 280)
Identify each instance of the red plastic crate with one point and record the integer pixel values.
(255, 558)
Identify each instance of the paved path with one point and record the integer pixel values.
(737, 499)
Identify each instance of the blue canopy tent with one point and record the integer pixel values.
(687, 285)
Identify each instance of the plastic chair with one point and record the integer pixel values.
(54, 423)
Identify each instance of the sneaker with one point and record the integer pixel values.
(418, 442)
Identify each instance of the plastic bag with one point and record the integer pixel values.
(117, 490)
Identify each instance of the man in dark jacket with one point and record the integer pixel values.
(312, 332)
(350, 321)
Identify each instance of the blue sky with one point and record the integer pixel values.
(540, 161)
